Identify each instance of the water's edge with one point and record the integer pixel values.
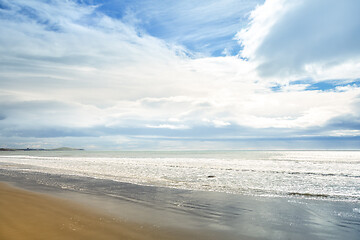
(229, 215)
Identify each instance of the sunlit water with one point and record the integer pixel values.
(333, 175)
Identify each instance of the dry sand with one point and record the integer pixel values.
(28, 215)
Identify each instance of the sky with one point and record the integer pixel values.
(180, 75)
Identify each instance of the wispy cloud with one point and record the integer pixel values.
(204, 27)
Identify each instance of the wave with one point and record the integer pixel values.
(298, 173)
(316, 195)
(323, 196)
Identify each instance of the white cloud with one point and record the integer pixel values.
(341, 133)
(290, 40)
(263, 18)
(168, 126)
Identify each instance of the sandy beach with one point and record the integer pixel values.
(28, 215)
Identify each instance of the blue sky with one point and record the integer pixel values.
(204, 27)
(163, 75)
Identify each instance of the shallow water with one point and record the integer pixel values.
(220, 215)
(333, 175)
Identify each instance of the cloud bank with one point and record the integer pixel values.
(298, 39)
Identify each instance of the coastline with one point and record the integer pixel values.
(183, 214)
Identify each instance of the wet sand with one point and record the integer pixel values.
(28, 215)
(146, 212)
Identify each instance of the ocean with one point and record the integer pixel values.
(330, 175)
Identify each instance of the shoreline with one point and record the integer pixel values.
(206, 215)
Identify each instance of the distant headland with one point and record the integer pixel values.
(42, 149)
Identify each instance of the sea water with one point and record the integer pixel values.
(332, 175)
